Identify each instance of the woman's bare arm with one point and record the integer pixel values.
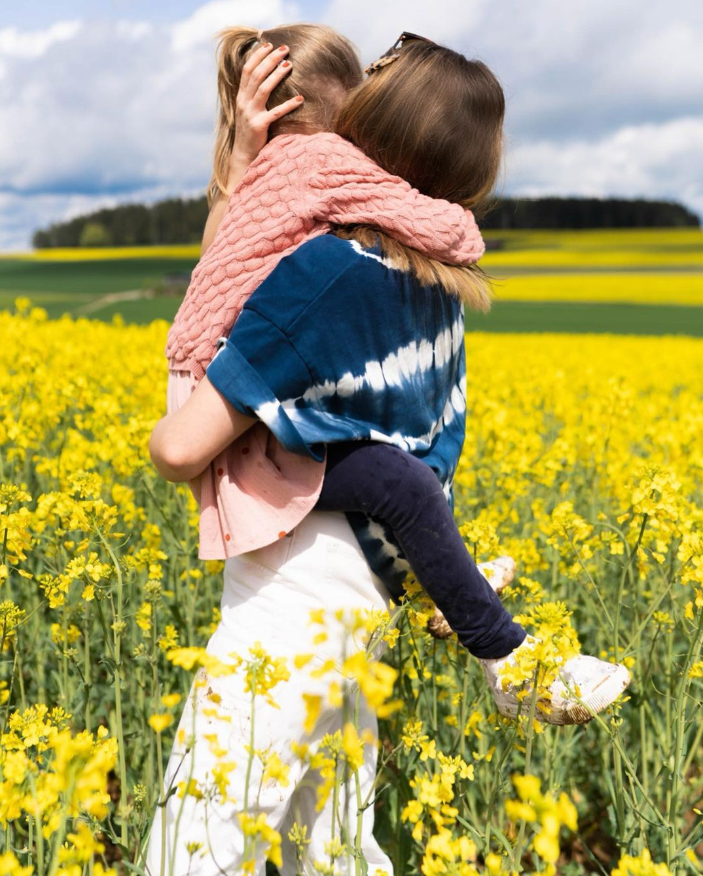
(186, 441)
(260, 75)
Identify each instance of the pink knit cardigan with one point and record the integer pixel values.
(256, 491)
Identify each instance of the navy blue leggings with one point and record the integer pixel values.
(386, 482)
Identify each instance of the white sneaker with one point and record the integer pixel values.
(596, 683)
(499, 573)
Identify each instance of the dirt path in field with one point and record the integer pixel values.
(114, 298)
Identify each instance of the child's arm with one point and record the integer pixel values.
(388, 483)
(347, 187)
(260, 75)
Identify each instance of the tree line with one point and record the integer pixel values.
(181, 221)
(587, 213)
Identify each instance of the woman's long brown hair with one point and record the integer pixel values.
(434, 118)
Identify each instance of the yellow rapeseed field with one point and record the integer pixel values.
(592, 249)
(637, 287)
(583, 460)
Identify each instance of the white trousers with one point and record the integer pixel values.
(267, 596)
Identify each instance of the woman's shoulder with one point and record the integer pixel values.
(327, 256)
(326, 271)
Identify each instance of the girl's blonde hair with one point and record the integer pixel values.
(432, 117)
(325, 68)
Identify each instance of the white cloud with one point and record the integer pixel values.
(583, 66)
(33, 43)
(603, 97)
(663, 161)
(111, 112)
(199, 27)
(373, 26)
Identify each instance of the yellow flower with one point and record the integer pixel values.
(640, 865)
(169, 639)
(143, 617)
(549, 814)
(428, 749)
(494, 864)
(10, 866)
(352, 746)
(160, 722)
(313, 707)
(257, 826)
(301, 659)
(190, 789)
(275, 769)
(472, 723)
(263, 672)
(376, 680)
(334, 694)
(412, 735)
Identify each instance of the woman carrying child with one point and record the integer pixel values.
(337, 386)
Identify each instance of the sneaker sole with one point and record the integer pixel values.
(506, 569)
(600, 697)
(605, 693)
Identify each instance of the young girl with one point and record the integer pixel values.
(298, 185)
(339, 342)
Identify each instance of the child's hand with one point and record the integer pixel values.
(260, 75)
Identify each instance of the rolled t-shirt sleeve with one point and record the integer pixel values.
(262, 375)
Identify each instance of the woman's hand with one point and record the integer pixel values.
(260, 75)
(185, 442)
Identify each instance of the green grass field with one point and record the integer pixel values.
(627, 281)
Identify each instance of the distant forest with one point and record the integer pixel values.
(178, 221)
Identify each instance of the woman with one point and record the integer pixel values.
(339, 343)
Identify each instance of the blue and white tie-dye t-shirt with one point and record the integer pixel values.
(336, 345)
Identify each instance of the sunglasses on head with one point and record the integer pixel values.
(392, 53)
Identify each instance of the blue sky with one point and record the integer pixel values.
(112, 102)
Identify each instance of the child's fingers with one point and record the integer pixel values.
(252, 63)
(283, 109)
(265, 66)
(264, 90)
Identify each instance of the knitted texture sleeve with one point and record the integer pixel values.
(347, 187)
(296, 187)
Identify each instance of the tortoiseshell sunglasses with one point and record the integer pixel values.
(392, 53)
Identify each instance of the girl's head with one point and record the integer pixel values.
(434, 118)
(325, 67)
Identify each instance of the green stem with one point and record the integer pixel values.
(159, 755)
(117, 638)
(251, 748)
(86, 665)
(515, 857)
(678, 758)
(618, 602)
